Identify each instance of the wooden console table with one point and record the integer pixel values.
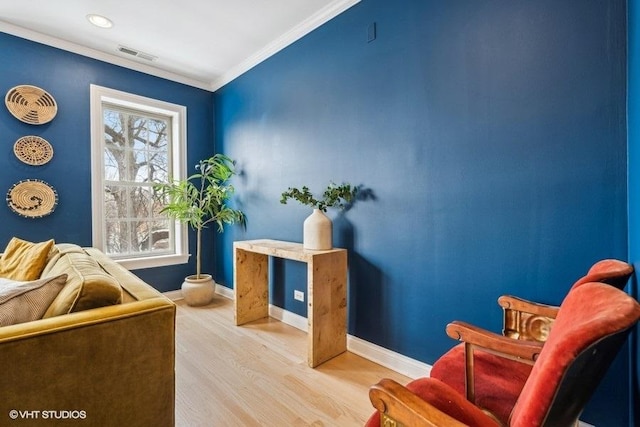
(326, 291)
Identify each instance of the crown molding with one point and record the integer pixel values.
(305, 27)
(68, 46)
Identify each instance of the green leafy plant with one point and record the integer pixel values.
(335, 196)
(202, 198)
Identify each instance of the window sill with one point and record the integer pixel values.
(150, 262)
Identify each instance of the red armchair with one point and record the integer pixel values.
(592, 324)
(470, 367)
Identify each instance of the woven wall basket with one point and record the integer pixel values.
(31, 104)
(33, 150)
(32, 198)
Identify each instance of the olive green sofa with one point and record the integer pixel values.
(107, 366)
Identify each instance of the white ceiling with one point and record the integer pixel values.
(202, 43)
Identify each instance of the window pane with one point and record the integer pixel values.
(116, 202)
(161, 236)
(158, 169)
(111, 172)
(113, 128)
(141, 198)
(141, 167)
(138, 133)
(117, 237)
(110, 203)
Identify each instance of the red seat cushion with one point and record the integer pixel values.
(498, 381)
(446, 400)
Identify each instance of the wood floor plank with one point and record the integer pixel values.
(257, 375)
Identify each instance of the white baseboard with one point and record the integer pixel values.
(387, 358)
(291, 319)
(225, 292)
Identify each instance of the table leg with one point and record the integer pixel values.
(327, 310)
(251, 286)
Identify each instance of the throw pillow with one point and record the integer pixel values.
(26, 301)
(88, 285)
(24, 260)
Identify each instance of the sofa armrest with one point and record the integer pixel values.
(115, 365)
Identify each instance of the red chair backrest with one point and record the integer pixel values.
(610, 271)
(592, 324)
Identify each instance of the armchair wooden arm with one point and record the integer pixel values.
(526, 320)
(400, 407)
(520, 350)
(472, 336)
(519, 304)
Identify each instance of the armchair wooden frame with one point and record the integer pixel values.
(474, 337)
(526, 320)
(409, 410)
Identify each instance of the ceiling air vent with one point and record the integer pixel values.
(137, 53)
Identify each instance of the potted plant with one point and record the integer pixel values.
(317, 228)
(198, 201)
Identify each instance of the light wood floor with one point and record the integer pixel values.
(257, 375)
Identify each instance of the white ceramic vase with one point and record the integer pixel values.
(317, 232)
(198, 291)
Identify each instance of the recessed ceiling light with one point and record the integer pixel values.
(99, 21)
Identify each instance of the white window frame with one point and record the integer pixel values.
(178, 114)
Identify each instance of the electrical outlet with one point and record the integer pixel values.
(298, 296)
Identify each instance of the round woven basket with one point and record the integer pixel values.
(32, 198)
(33, 150)
(30, 104)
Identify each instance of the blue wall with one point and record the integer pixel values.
(634, 178)
(493, 135)
(67, 77)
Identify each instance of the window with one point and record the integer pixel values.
(136, 143)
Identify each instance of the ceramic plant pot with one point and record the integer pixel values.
(317, 232)
(198, 291)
